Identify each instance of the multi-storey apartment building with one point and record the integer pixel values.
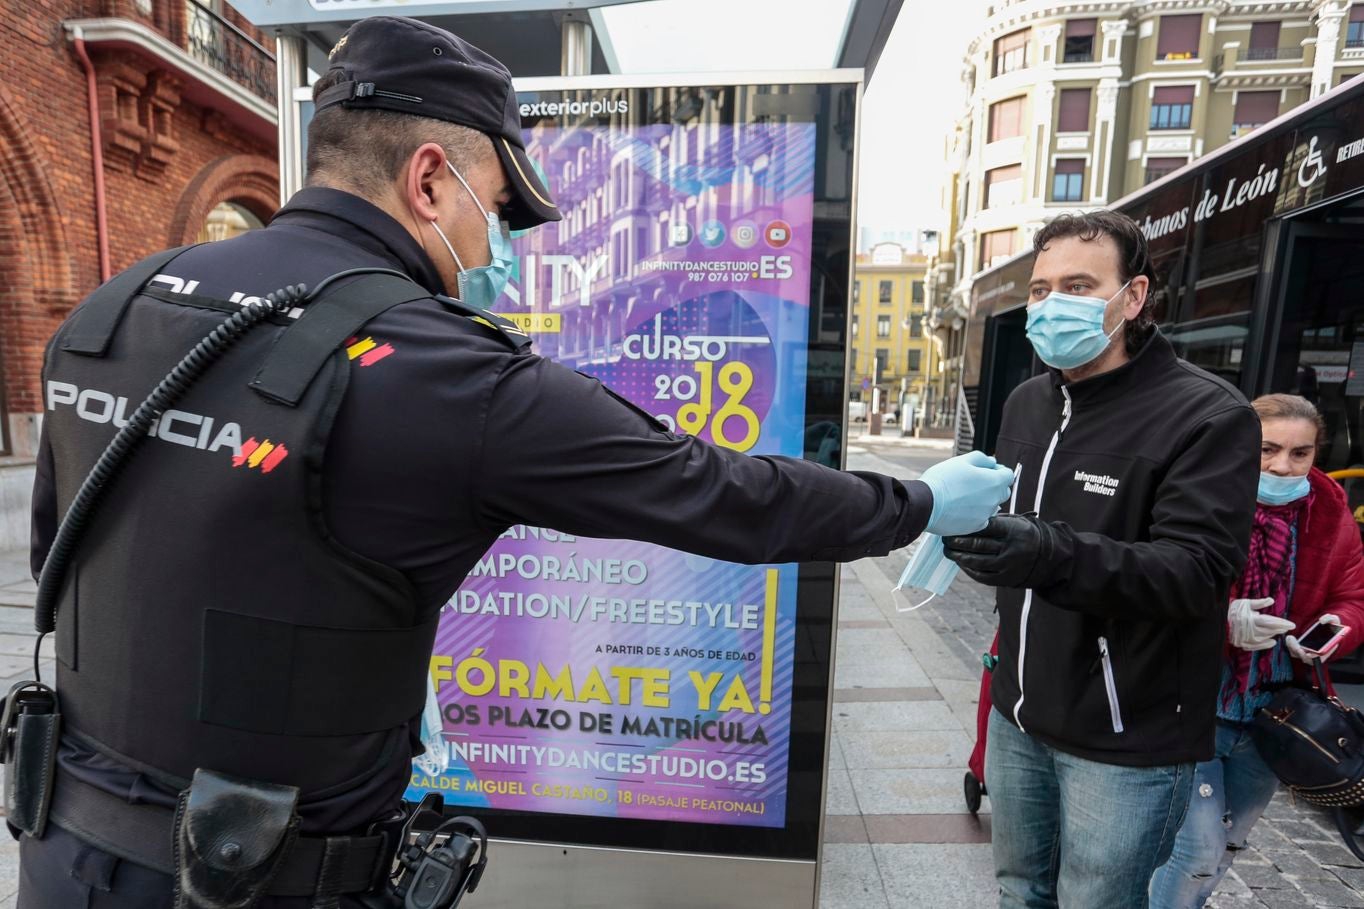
(1073, 105)
(892, 349)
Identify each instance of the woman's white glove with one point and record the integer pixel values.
(1299, 654)
(1249, 629)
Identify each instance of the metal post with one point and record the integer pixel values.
(290, 73)
(577, 45)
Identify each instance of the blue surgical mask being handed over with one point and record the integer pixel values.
(1067, 330)
(480, 287)
(1277, 490)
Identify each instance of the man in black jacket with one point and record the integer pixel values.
(1130, 517)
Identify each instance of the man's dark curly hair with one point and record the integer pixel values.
(1134, 258)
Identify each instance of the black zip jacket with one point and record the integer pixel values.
(1149, 475)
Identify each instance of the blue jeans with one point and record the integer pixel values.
(1073, 832)
(1230, 793)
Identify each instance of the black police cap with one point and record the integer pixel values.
(392, 63)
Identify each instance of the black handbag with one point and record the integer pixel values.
(1315, 746)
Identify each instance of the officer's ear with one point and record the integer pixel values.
(426, 180)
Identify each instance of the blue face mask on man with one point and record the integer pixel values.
(1276, 490)
(480, 287)
(1067, 330)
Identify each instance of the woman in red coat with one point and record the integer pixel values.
(1305, 566)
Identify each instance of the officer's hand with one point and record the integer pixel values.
(1012, 551)
(966, 490)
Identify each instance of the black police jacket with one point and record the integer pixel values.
(442, 436)
(1149, 474)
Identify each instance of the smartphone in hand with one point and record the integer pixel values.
(1321, 638)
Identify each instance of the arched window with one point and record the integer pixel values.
(227, 220)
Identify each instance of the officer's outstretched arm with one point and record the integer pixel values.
(563, 451)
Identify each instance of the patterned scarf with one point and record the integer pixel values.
(1268, 573)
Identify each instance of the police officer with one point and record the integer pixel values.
(248, 617)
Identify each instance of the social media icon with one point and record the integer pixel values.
(745, 234)
(712, 234)
(679, 234)
(777, 234)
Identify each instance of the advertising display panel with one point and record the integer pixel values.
(619, 693)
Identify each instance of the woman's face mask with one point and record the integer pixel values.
(1067, 331)
(480, 287)
(1288, 446)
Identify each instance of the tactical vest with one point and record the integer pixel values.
(209, 617)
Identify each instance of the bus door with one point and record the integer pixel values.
(1010, 362)
(1318, 349)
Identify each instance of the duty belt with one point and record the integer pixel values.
(141, 833)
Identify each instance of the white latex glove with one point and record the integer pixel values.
(1299, 654)
(1249, 629)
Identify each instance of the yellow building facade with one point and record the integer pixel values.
(891, 346)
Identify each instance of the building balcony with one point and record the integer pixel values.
(1255, 60)
(1261, 54)
(218, 44)
(1354, 43)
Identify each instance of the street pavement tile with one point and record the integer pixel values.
(1267, 838)
(1298, 864)
(862, 624)
(22, 644)
(1233, 886)
(1333, 854)
(877, 670)
(938, 876)
(9, 866)
(901, 792)
(851, 695)
(942, 748)
(849, 878)
(836, 761)
(893, 716)
(1285, 897)
(1258, 875)
(1330, 893)
(860, 612)
(840, 798)
(845, 828)
(1305, 830)
(927, 828)
(12, 665)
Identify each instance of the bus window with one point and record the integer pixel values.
(1215, 344)
(1320, 353)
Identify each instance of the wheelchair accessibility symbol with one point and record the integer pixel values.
(1312, 167)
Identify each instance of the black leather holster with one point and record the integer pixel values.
(29, 731)
(231, 837)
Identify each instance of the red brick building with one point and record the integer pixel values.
(184, 141)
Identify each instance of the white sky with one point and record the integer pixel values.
(914, 96)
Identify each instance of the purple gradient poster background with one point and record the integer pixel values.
(623, 679)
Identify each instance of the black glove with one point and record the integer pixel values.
(1012, 551)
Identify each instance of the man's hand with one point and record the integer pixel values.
(1012, 551)
(1250, 629)
(1299, 654)
(966, 491)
